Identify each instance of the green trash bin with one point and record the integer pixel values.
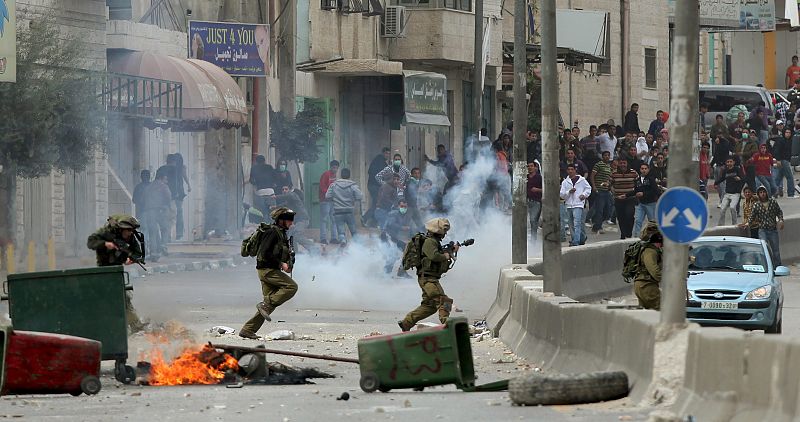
(417, 359)
(83, 302)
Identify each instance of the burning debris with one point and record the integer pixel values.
(219, 364)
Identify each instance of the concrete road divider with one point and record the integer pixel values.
(502, 302)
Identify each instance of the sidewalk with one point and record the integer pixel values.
(184, 256)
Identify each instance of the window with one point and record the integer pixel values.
(465, 5)
(650, 55)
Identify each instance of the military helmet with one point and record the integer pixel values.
(123, 221)
(282, 213)
(438, 226)
(649, 230)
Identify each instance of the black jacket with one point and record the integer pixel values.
(729, 177)
(720, 152)
(648, 187)
(782, 150)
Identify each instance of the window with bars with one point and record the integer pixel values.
(650, 69)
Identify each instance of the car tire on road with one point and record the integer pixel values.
(541, 389)
(776, 327)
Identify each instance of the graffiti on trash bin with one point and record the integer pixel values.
(428, 345)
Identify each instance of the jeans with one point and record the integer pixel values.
(721, 186)
(642, 211)
(769, 183)
(729, 202)
(602, 205)
(625, 214)
(326, 220)
(152, 222)
(380, 217)
(784, 172)
(343, 220)
(575, 216)
(771, 237)
(179, 219)
(534, 213)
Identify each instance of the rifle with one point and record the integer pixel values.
(450, 248)
(291, 253)
(124, 247)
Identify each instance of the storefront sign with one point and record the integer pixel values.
(734, 15)
(240, 49)
(426, 92)
(8, 41)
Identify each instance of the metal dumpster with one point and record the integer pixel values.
(417, 359)
(83, 302)
(45, 363)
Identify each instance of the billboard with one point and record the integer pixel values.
(8, 41)
(734, 15)
(241, 49)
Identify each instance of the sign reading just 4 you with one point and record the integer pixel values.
(8, 41)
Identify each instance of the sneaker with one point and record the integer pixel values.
(719, 206)
(248, 334)
(335, 242)
(264, 310)
(323, 241)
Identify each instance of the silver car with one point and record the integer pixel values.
(732, 283)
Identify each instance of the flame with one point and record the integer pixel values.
(196, 365)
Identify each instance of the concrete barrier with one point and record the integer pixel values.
(501, 306)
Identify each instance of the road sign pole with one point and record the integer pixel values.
(682, 171)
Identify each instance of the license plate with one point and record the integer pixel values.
(719, 305)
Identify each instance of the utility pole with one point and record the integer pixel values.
(682, 170)
(519, 214)
(551, 219)
(477, 72)
(286, 57)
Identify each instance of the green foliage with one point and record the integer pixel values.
(296, 139)
(52, 117)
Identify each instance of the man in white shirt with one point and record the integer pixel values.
(574, 191)
(606, 141)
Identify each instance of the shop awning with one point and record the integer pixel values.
(211, 98)
(353, 67)
(425, 98)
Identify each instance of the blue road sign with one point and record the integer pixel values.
(681, 214)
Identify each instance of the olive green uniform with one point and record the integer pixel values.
(434, 265)
(106, 257)
(276, 286)
(648, 277)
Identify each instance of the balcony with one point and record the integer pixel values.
(443, 36)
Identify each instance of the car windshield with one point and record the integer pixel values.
(728, 255)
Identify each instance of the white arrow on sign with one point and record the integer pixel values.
(695, 222)
(666, 219)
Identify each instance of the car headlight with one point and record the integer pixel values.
(762, 292)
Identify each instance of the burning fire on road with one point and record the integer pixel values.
(197, 365)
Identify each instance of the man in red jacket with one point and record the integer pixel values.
(763, 161)
(326, 206)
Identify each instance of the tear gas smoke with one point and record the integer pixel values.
(355, 278)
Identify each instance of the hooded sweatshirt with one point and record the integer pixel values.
(343, 193)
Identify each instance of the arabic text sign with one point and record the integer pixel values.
(240, 49)
(426, 93)
(8, 41)
(743, 15)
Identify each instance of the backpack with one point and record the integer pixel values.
(412, 254)
(251, 243)
(630, 261)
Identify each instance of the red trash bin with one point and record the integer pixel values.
(45, 363)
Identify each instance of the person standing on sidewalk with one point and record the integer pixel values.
(601, 186)
(782, 150)
(434, 262)
(623, 182)
(647, 192)
(732, 177)
(574, 191)
(326, 207)
(274, 260)
(769, 217)
(534, 197)
(343, 194)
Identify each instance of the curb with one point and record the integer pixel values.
(213, 264)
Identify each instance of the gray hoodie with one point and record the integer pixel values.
(343, 193)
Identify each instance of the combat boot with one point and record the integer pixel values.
(248, 334)
(403, 326)
(265, 310)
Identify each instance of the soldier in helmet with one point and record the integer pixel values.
(274, 260)
(434, 263)
(119, 243)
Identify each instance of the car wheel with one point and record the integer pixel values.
(541, 389)
(776, 327)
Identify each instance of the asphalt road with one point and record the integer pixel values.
(198, 301)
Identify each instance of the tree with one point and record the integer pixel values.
(296, 139)
(52, 118)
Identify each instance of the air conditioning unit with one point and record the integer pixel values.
(393, 22)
